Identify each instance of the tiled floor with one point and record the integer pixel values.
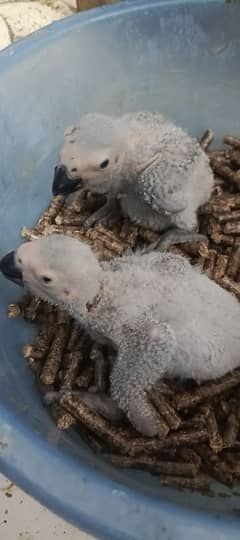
(23, 518)
(18, 19)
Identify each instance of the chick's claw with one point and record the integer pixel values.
(109, 212)
(102, 404)
(144, 418)
(175, 237)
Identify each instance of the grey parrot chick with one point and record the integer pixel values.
(163, 317)
(159, 173)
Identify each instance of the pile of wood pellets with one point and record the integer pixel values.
(200, 435)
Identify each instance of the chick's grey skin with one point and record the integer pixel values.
(186, 326)
(160, 174)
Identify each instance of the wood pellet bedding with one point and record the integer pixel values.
(200, 425)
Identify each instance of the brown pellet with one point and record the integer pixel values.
(203, 250)
(231, 431)
(108, 240)
(218, 237)
(195, 248)
(190, 456)
(213, 153)
(229, 216)
(34, 365)
(73, 361)
(14, 310)
(224, 171)
(85, 379)
(98, 360)
(73, 232)
(210, 263)
(27, 351)
(102, 252)
(223, 409)
(232, 228)
(221, 204)
(217, 191)
(163, 428)
(156, 465)
(69, 217)
(148, 236)
(218, 165)
(206, 139)
(223, 239)
(215, 439)
(180, 438)
(30, 234)
(42, 342)
(230, 285)
(49, 215)
(233, 262)
(63, 318)
(84, 344)
(31, 310)
(216, 466)
(74, 335)
(176, 250)
(78, 203)
(198, 420)
(129, 233)
(233, 459)
(220, 267)
(200, 482)
(165, 410)
(114, 436)
(219, 182)
(54, 358)
(207, 391)
(163, 388)
(231, 140)
(63, 419)
(235, 158)
(199, 263)
(219, 160)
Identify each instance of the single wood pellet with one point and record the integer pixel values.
(165, 410)
(207, 139)
(155, 465)
(54, 358)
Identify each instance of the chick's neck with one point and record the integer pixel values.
(87, 308)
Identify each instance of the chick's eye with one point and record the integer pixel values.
(19, 260)
(104, 164)
(46, 279)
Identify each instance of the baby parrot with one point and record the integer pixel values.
(158, 173)
(161, 315)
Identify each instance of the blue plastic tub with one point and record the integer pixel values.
(181, 58)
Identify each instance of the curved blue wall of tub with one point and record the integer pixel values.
(179, 57)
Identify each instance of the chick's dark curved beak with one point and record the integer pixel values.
(10, 270)
(62, 184)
